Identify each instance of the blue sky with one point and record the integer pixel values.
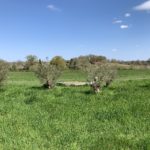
(117, 29)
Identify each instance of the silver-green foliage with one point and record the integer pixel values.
(101, 75)
(3, 71)
(48, 74)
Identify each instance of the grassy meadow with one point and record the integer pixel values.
(72, 118)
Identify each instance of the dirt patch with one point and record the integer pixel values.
(73, 83)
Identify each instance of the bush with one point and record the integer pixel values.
(100, 75)
(17, 66)
(79, 63)
(3, 71)
(59, 62)
(84, 61)
(97, 59)
(31, 60)
(48, 74)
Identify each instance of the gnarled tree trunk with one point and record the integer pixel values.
(95, 87)
(48, 85)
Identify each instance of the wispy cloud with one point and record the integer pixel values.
(53, 8)
(143, 7)
(117, 21)
(127, 15)
(123, 26)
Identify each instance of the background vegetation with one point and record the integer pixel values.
(3, 71)
(78, 63)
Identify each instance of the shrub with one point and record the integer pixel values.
(100, 75)
(31, 60)
(97, 59)
(3, 71)
(59, 62)
(84, 61)
(79, 63)
(17, 66)
(48, 74)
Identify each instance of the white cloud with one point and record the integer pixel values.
(127, 15)
(117, 21)
(53, 8)
(124, 26)
(143, 7)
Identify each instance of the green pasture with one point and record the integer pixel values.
(73, 118)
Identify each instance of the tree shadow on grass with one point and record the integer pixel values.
(2, 90)
(61, 85)
(39, 88)
(146, 86)
(31, 99)
(44, 88)
(87, 92)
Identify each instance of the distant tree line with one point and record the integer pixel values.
(76, 63)
(73, 63)
(133, 62)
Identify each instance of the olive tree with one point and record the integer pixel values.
(100, 75)
(48, 74)
(3, 71)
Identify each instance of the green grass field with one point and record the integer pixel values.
(72, 118)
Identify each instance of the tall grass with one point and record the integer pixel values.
(72, 118)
